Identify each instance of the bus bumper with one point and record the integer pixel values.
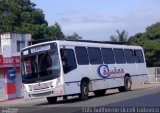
(54, 92)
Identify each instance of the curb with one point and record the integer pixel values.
(11, 99)
(152, 83)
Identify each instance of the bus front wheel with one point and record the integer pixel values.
(84, 90)
(52, 100)
(127, 84)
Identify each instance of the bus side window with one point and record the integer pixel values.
(129, 55)
(108, 56)
(95, 56)
(68, 60)
(119, 56)
(139, 56)
(82, 55)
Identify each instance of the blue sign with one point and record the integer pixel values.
(11, 74)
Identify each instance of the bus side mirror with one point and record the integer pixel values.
(64, 62)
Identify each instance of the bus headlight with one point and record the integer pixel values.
(30, 88)
(51, 85)
(58, 82)
(24, 88)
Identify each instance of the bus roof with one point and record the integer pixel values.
(88, 44)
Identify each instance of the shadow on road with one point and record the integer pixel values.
(75, 99)
(151, 100)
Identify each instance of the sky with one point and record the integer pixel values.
(99, 19)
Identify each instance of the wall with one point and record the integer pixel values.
(153, 74)
(18, 85)
(0, 46)
(6, 44)
(19, 37)
(2, 94)
(9, 43)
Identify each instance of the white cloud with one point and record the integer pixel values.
(101, 27)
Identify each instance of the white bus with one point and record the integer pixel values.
(62, 68)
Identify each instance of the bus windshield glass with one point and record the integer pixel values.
(40, 63)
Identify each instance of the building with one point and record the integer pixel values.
(10, 46)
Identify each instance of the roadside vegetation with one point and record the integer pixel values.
(23, 16)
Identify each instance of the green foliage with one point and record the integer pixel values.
(22, 16)
(74, 36)
(136, 39)
(150, 41)
(55, 32)
(153, 31)
(121, 37)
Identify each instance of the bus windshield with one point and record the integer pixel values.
(40, 65)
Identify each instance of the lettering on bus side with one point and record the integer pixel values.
(104, 71)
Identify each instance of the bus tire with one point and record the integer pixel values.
(52, 100)
(127, 85)
(100, 92)
(84, 90)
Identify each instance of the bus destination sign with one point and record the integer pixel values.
(41, 48)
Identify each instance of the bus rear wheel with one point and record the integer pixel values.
(52, 100)
(100, 92)
(84, 91)
(127, 85)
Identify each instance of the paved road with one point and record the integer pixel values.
(142, 98)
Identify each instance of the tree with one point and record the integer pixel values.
(121, 37)
(12, 12)
(56, 32)
(152, 50)
(22, 16)
(137, 39)
(150, 41)
(74, 36)
(153, 31)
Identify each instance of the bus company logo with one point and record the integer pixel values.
(105, 72)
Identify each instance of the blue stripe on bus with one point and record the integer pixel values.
(106, 78)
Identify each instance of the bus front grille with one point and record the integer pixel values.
(42, 94)
(40, 86)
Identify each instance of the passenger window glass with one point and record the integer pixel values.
(95, 55)
(82, 56)
(68, 60)
(108, 56)
(130, 56)
(139, 56)
(119, 56)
